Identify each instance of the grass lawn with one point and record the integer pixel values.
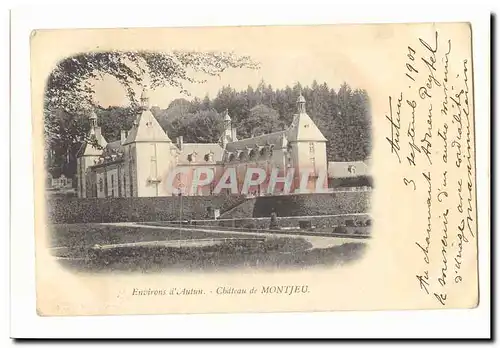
(247, 251)
(87, 235)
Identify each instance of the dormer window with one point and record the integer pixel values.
(209, 157)
(271, 149)
(351, 169)
(192, 157)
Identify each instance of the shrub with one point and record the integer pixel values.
(274, 222)
(340, 230)
(305, 224)
(313, 204)
(250, 225)
(349, 223)
(281, 244)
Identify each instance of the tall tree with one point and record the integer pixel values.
(204, 126)
(70, 85)
(261, 120)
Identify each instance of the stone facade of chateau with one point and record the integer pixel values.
(145, 162)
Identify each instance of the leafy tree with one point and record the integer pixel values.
(70, 90)
(204, 126)
(205, 104)
(178, 108)
(114, 119)
(262, 120)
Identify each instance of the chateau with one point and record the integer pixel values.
(141, 163)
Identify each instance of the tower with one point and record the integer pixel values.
(229, 133)
(145, 103)
(301, 104)
(306, 143)
(93, 122)
(147, 149)
(89, 153)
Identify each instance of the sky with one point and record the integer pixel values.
(364, 56)
(287, 55)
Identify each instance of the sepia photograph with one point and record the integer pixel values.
(140, 179)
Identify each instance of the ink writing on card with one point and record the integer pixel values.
(437, 143)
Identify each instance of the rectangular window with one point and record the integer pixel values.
(81, 176)
(311, 148)
(124, 186)
(118, 185)
(112, 185)
(153, 169)
(105, 185)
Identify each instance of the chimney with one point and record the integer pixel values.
(233, 134)
(180, 142)
(123, 136)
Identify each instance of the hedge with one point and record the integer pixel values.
(318, 222)
(313, 204)
(84, 210)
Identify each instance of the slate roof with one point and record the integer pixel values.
(146, 129)
(278, 139)
(89, 150)
(304, 129)
(201, 151)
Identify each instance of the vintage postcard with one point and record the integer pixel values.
(254, 169)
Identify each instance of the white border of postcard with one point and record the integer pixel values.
(438, 323)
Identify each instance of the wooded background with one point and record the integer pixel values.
(342, 114)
